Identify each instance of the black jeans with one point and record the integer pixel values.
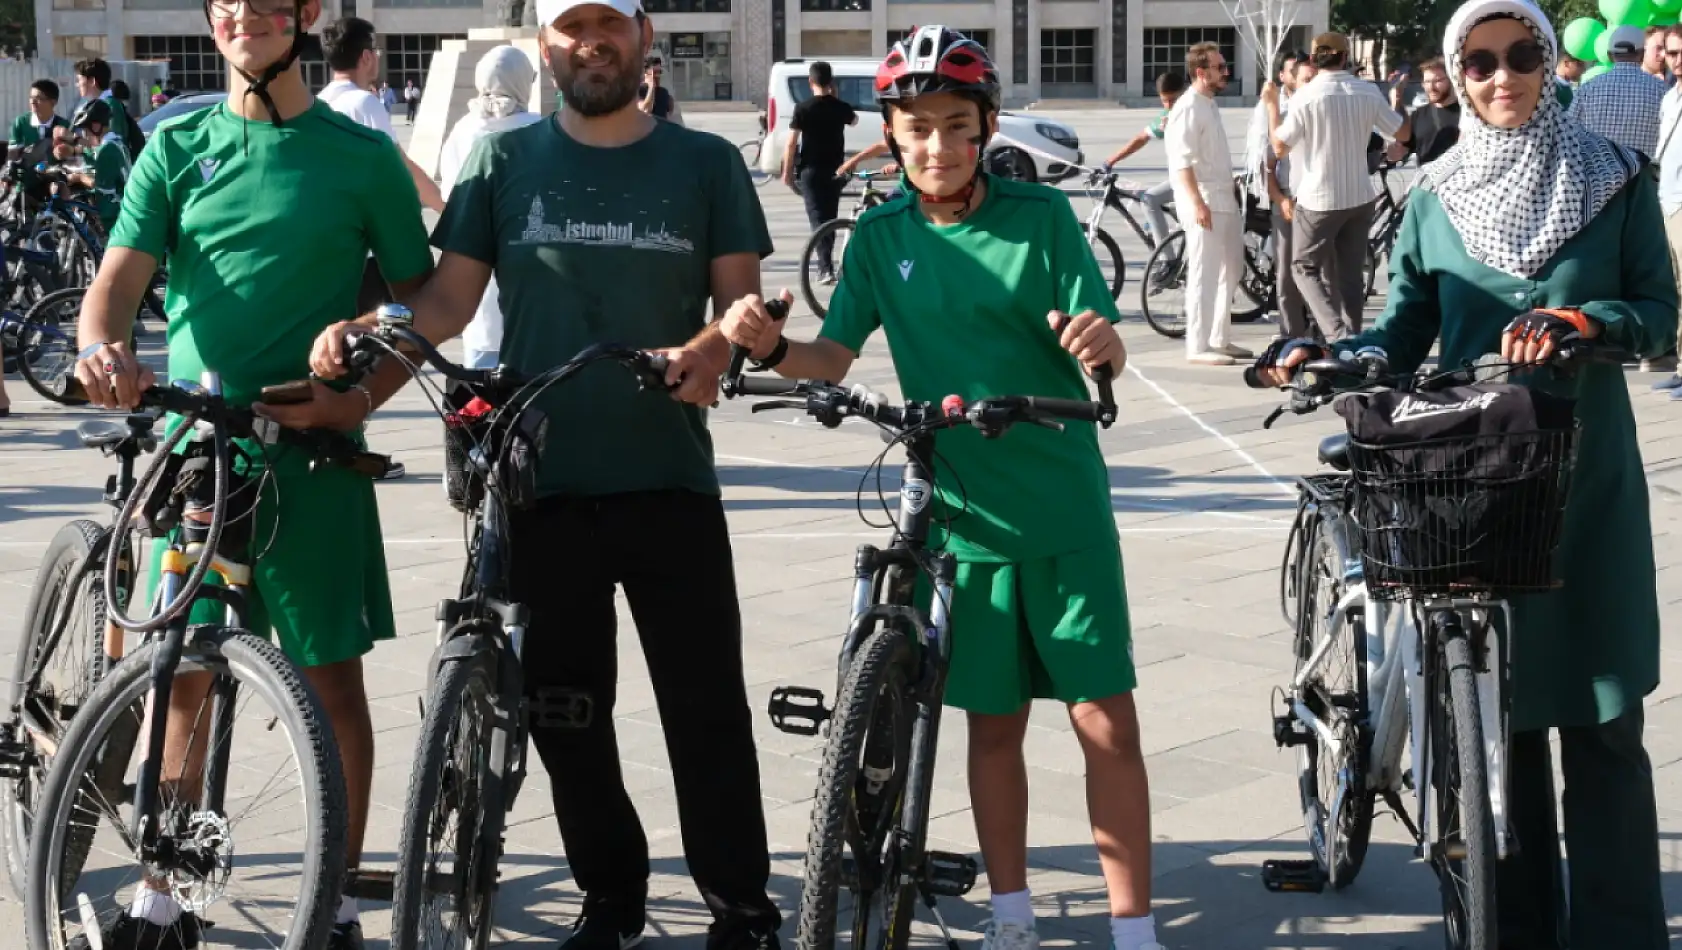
(822, 191)
(573, 552)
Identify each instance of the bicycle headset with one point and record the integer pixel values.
(937, 59)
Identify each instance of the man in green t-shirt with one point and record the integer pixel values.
(93, 81)
(37, 125)
(108, 159)
(603, 223)
(267, 206)
(973, 279)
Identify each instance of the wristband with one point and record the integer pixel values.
(777, 354)
(358, 387)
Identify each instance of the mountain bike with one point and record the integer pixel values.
(750, 154)
(838, 231)
(869, 825)
(175, 818)
(1402, 627)
(470, 759)
(1386, 221)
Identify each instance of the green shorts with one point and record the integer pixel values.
(1053, 628)
(320, 585)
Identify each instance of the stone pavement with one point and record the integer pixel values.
(1202, 498)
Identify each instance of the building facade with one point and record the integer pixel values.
(722, 50)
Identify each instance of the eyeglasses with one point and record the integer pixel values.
(1523, 58)
(1672, 52)
(228, 8)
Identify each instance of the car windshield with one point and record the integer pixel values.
(856, 91)
(177, 106)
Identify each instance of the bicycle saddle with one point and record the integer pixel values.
(1334, 451)
(108, 435)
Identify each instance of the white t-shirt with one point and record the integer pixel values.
(357, 104)
(485, 332)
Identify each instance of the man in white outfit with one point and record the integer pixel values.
(1200, 166)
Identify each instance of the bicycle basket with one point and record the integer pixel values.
(1477, 507)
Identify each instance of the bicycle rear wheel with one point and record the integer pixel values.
(1162, 293)
(1463, 852)
(812, 288)
(1257, 282)
(860, 797)
(1110, 261)
(451, 833)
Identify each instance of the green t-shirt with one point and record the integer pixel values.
(26, 130)
(596, 245)
(1158, 125)
(267, 230)
(964, 307)
(110, 177)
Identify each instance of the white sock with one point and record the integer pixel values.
(1014, 908)
(348, 911)
(1133, 933)
(154, 907)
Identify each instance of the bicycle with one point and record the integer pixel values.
(1165, 276)
(1395, 634)
(837, 232)
(750, 154)
(1104, 187)
(180, 828)
(1386, 221)
(470, 759)
(878, 768)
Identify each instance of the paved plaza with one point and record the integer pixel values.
(1202, 496)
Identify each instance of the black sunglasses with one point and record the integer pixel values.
(1523, 57)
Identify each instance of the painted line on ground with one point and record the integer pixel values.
(1217, 434)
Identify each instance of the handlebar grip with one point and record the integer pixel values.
(764, 386)
(739, 354)
(1252, 378)
(1077, 409)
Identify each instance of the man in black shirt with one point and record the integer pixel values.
(653, 97)
(819, 136)
(1432, 129)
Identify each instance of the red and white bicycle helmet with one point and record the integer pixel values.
(937, 59)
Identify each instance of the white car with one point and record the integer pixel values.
(1027, 147)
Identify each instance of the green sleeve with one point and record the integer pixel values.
(1643, 319)
(391, 214)
(1080, 283)
(468, 225)
(853, 315)
(1412, 319)
(1564, 94)
(110, 165)
(23, 132)
(148, 219)
(736, 220)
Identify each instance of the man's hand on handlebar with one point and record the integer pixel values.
(749, 324)
(1533, 336)
(691, 374)
(327, 356)
(326, 409)
(113, 378)
(1278, 363)
(1091, 339)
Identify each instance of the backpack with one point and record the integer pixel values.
(133, 139)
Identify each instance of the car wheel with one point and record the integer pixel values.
(1012, 163)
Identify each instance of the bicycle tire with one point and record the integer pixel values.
(1261, 287)
(1369, 264)
(1113, 250)
(1168, 259)
(1290, 563)
(455, 682)
(1476, 925)
(68, 548)
(881, 664)
(260, 666)
(828, 228)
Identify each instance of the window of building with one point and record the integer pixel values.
(78, 47)
(697, 65)
(1165, 52)
(984, 37)
(687, 6)
(841, 5)
(1067, 58)
(474, 4)
(77, 5)
(818, 44)
(194, 63)
(407, 55)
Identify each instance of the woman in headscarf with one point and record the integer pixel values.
(504, 79)
(1532, 228)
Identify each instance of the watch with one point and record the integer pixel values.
(773, 358)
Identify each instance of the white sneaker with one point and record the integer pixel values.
(1210, 358)
(1009, 935)
(1238, 353)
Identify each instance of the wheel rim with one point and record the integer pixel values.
(455, 823)
(1332, 695)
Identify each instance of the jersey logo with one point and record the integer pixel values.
(905, 269)
(208, 166)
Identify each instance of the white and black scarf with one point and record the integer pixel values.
(1517, 195)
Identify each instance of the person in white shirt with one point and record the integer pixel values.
(504, 79)
(1200, 165)
(1332, 118)
(1295, 70)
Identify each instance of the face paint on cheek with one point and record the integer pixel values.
(282, 24)
(225, 28)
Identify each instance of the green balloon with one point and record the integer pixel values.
(1592, 72)
(1602, 52)
(1625, 12)
(1665, 7)
(1580, 36)
(1665, 18)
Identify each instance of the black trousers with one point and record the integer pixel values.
(670, 551)
(822, 191)
(1611, 829)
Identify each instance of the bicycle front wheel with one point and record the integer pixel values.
(859, 801)
(1110, 262)
(813, 283)
(48, 347)
(1463, 852)
(445, 892)
(1162, 297)
(251, 835)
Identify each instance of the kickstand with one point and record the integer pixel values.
(945, 931)
(1394, 802)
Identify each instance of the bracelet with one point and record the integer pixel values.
(773, 358)
(365, 395)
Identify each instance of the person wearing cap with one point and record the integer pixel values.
(1332, 118)
(92, 127)
(1624, 102)
(601, 224)
(1531, 232)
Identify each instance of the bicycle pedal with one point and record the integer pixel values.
(1293, 876)
(798, 710)
(949, 875)
(365, 885)
(561, 708)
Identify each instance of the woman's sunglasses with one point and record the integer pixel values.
(1523, 58)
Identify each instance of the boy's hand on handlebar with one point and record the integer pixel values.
(1533, 336)
(326, 409)
(327, 356)
(691, 375)
(1090, 338)
(113, 378)
(748, 324)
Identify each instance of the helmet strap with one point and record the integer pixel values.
(259, 85)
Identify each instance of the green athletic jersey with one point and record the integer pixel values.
(596, 245)
(964, 307)
(110, 177)
(1158, 126)
(26, 131)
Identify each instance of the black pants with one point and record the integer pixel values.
(1611, 829)
(670, 551)
(822, 191)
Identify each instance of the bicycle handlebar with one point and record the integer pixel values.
(831, 404)
(731, 385)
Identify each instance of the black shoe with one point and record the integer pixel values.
(603, 926)
(136, 933)
(393, 471)
(737, 934)
(346, 937)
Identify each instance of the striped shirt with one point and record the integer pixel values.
(1623, 104)
(1327, 129)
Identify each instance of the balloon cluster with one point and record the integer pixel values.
(1585, 37)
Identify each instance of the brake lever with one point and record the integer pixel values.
(777, 404)
(1273, 417)
(1046, 423)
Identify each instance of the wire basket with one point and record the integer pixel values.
(1464, 514)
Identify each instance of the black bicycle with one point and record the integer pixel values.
(869, 825)
(1386, 221)
(470, 760)
(193, 818)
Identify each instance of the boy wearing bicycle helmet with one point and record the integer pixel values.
(973, 279)
(108, 156)
(267, 206)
